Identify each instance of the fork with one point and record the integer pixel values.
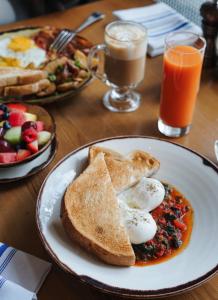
(65, 36)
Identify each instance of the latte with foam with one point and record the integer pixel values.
(126, 49)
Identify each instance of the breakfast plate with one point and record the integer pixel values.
(62, 75)
(194, 175)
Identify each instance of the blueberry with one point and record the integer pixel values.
(5, 115)
(3, 107)
(18, 147)
(6, 125)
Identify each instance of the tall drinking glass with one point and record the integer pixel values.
(183, 58)
(124, 64)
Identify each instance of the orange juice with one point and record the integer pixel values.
(181, 79)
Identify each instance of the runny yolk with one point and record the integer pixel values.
(20, 43)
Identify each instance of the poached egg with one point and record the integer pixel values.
(135, 205)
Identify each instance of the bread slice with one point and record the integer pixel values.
(15, 76)
(91, 215)
(126, 171)
(27, 89)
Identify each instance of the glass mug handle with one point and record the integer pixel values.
(95, 71)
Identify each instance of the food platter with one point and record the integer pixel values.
(60, 87)
(194, 175)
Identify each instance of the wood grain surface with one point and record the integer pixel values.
(83, 119)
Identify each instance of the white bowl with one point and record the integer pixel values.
(194, 175)
(31, 167)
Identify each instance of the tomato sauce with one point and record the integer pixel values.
(174, 219)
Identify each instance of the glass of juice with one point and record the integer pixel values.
(182, 64)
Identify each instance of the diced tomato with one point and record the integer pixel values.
(180, 225)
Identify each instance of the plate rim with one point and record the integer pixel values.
(109, 289)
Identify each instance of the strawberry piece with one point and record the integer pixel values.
(33, 147)
(6, 158)
(29, 135)
(17, 107)
(16, 118)
(23, 153)
(40, 125)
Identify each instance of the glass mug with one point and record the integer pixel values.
(124, 64)
(182, 64)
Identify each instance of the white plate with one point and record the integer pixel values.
(192, 174)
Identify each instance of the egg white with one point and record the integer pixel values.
(32, 55)
(135, 204)
(139, 224)
(147, 194)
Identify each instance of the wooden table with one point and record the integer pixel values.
(83, 119)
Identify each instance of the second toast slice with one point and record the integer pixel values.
(126, 170)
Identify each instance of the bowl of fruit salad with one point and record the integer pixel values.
(26, 131)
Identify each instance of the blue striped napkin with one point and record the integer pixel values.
(21, 274)
(160, 20)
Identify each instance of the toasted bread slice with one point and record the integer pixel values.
(27, 89)
(126, 171)
(15, 76)
(91, 215)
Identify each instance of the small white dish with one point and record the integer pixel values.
(194, 175)
(28, 168)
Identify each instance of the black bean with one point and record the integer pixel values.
(176, 243)
(170, 229)
(169, 217)
(176, 211)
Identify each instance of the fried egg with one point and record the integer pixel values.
(135, 205)
(20, 51)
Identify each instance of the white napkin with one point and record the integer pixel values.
(21, 274)
(159, 19)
